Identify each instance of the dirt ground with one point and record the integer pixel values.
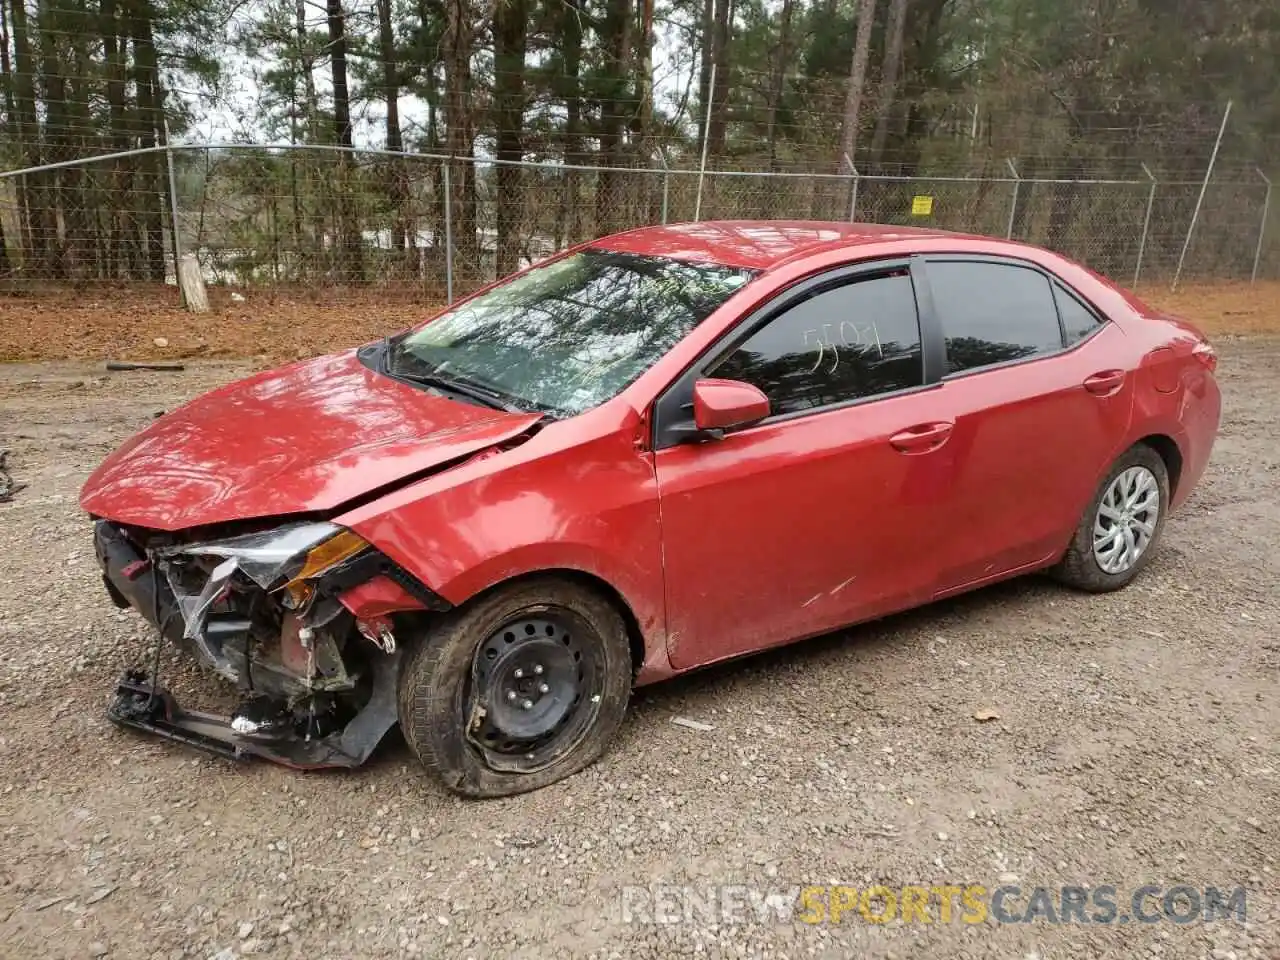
(138, 322)
(1136, 743)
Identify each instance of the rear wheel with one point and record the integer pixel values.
(520, 689)
(1121, 526)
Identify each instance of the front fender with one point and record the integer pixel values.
(589, 506)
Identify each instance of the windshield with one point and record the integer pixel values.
(568, 335)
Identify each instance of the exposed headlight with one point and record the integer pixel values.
(274, 558)
(287, 557)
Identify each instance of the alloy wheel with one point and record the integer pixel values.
(1126, 519)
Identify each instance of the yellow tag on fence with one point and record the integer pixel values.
(921, 206)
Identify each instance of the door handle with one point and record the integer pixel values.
(1106, 383)
(922, 438)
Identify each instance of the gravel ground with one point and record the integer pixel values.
(1136, 743)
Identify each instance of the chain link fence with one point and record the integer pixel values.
(320, 217)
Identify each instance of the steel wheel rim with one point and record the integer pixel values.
(535, 690)
(1125, 522)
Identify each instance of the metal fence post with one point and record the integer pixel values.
(1262, 227)
(1146, 226)
(1195, 216)
(706, 135)
(448, 233)
(853, 193)
(666, 183)
(1013, 206)
(173, 213)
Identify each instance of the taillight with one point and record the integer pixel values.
(1203, 352)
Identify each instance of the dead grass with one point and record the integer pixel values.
(1223, 308)
(123, 323)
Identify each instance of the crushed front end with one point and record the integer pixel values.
(301, 617)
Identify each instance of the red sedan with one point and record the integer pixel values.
(652, 452)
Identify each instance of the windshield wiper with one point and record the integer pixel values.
(464, 388)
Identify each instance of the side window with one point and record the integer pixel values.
(851, 341)
(1078, 321)
(993, 312)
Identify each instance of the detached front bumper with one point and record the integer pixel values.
(139, 705)
(290, 738)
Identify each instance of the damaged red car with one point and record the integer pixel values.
(650, 453)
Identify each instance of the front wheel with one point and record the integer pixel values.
(517, 690)
(1121, 526)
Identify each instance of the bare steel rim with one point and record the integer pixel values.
(535, 690)
(1126, 519)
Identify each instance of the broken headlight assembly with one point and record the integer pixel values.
(285, 556)
(249, 605)
(280, 613)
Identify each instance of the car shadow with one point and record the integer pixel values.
(860, 640)
(706, 687)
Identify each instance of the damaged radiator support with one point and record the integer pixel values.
(302, 708)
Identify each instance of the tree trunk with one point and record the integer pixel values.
(704, 68)
(889, 75)
(81, 200)
(857, 79)
(121, 242)
(312, 171)
(6, 81)
(33, 199)
(307, 65)
(646, 78)
(615, 38)
(569, 220)
(510, 23)
(397, 182)
(459, 139)
(721, 37)
(781, 57)
(56, 125)
(433, 146)
(149, 123)
(349, 239)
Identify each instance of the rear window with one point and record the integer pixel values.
(993, 312)
(1078, 321)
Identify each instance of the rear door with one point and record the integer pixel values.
(1040, 397)
(822, 514)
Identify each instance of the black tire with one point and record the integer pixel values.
(439, 687)
(1079, 567)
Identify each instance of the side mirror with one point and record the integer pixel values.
(724, 404)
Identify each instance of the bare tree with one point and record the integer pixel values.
(397, 180)
(459, 132)
(889, 75)
(510, 36)
(721, 37)
(857, 80)
(350, 240)
(568, 218)
(615, 38)
(781, 57)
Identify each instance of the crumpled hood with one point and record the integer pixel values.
(308, 437)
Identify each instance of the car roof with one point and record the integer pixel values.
(758, 244)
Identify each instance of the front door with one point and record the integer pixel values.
(821, 514)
